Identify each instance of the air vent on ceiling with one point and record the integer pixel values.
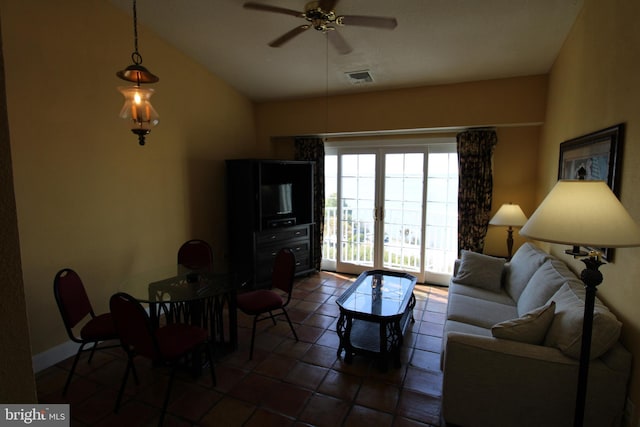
(359, 77)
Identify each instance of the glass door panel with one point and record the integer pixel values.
(441, 246)
(330, 234)
(357, 204)
(402, 220)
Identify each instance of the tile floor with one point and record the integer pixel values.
(287, 383)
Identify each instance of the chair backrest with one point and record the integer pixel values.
(196, 255)
(284, 268)
(133, 325)
(72, 299)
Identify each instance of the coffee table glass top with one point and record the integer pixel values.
(378, 293)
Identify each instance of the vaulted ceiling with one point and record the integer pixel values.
(435, 42)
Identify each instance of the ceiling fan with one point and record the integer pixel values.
(322, 17)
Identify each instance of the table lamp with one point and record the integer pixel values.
(512, 216)
(583, 213)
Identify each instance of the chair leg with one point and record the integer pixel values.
(290, 324)
(135, 374)
(209, 352)
(124, 383)
(93, 350)
(73, 369)
(253, 336)
(167, 394)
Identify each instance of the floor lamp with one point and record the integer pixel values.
(509, 215)
(583, 213)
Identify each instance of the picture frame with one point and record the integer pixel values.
(595, 156)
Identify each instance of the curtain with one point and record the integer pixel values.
(475, 188)
(312, 149)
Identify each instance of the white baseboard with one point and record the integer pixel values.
(54, 355)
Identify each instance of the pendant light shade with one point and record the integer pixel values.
(138, 111)
(138, 74)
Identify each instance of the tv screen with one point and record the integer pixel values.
(276, 199)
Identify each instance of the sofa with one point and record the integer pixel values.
(511, 345)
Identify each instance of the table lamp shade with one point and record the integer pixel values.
(509, 214)
(582, 213)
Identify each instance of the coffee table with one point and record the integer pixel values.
(374, 314)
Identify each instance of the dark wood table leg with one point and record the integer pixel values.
(340, 327)
(233, 320)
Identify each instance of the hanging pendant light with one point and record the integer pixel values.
(137, 109)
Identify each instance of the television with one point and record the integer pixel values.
(276, 200)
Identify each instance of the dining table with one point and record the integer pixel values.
(199, 297)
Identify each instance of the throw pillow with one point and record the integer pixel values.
(480, 270)
(530, 328)
(565, 331)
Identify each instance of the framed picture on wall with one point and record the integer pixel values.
(595, 156)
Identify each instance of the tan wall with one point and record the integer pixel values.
(88, 196)
(595, 83)
(15, 363)
(506, 102)
(503, 101)
(514, 181)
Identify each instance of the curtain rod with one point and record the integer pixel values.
(415, 131)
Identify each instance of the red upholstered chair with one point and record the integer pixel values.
(75, 307)
(195, 255)
(167, 345)
(262, 303)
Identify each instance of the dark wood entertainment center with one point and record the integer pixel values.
(269, 207)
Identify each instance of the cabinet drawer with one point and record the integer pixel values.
(281, 234)
(269, 253)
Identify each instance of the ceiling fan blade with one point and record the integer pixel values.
(368, 21)
(289, 35)
(338, 42)
(268, 8)
(327, 5)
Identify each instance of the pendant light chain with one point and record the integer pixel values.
(135, 56)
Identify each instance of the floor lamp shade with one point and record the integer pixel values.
(582, 213)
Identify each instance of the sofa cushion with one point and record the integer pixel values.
(472, 291)
(544, 283)
(478, 312)
(530, 328)
(465, 328)
(565, 331)
(527, 259)
(480, 270)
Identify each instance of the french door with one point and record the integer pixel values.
(391, 208)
